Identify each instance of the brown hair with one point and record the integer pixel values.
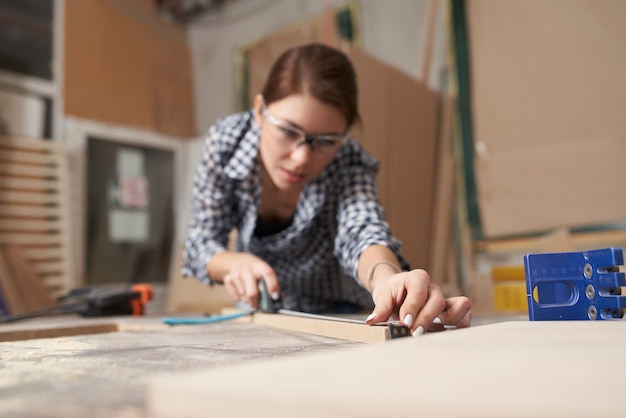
(321, 71)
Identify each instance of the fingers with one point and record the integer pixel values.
(419, 303)
(271, 281)
(384, 306)
(422, 302)
(251, 289)
(242, 284)
(457, 312)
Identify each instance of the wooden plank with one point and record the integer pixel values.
(31, 288)
(443, 199)
(582, 240)
(29, 184)
(26, 211)
(35, 157)
(346, 331)
(47, 226)
(41, 240)
(29, 198)
(327, 328)
(512, 369)
(55, 280)
(28, 170)
(55, 332)
(29, 144)
(38, 254)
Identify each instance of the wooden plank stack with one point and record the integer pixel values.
(34, 246)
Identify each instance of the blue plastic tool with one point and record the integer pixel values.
(575, 285)
(204, 320)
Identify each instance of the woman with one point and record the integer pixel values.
(303, 197)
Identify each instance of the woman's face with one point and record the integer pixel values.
(289, 161)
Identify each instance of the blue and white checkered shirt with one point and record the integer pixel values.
(338, 216)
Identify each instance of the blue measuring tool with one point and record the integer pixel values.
(575, 285)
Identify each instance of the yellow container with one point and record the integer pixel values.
(509, 288)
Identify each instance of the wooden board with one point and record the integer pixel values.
(400, 129)
(126, 65)
(343, 330)
(512, 369)
(73, 325)
(547, 158)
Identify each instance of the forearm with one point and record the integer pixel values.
(379, 262)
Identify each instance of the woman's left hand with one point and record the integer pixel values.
(412, 297)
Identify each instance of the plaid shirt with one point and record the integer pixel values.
(338, 216)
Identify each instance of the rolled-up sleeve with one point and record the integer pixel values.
(212, 212)
(361, 219)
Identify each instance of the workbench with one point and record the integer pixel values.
(139, 367)
(106, 371)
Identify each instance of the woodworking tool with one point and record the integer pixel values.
(584, 285)
(92, 301)
(205, 320)
(268, 305)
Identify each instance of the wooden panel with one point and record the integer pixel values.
(125, 65)
(411, 138)
(547, 99)
(33, 217)
(512, 369)
(399, 128)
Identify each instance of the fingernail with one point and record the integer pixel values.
(372, 315)
(437, 321)
(275, 296)
(418, 331)
(408, 320)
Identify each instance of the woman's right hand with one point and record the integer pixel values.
(242, 277)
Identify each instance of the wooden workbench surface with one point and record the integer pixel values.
(511, 369)
(107, 374)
